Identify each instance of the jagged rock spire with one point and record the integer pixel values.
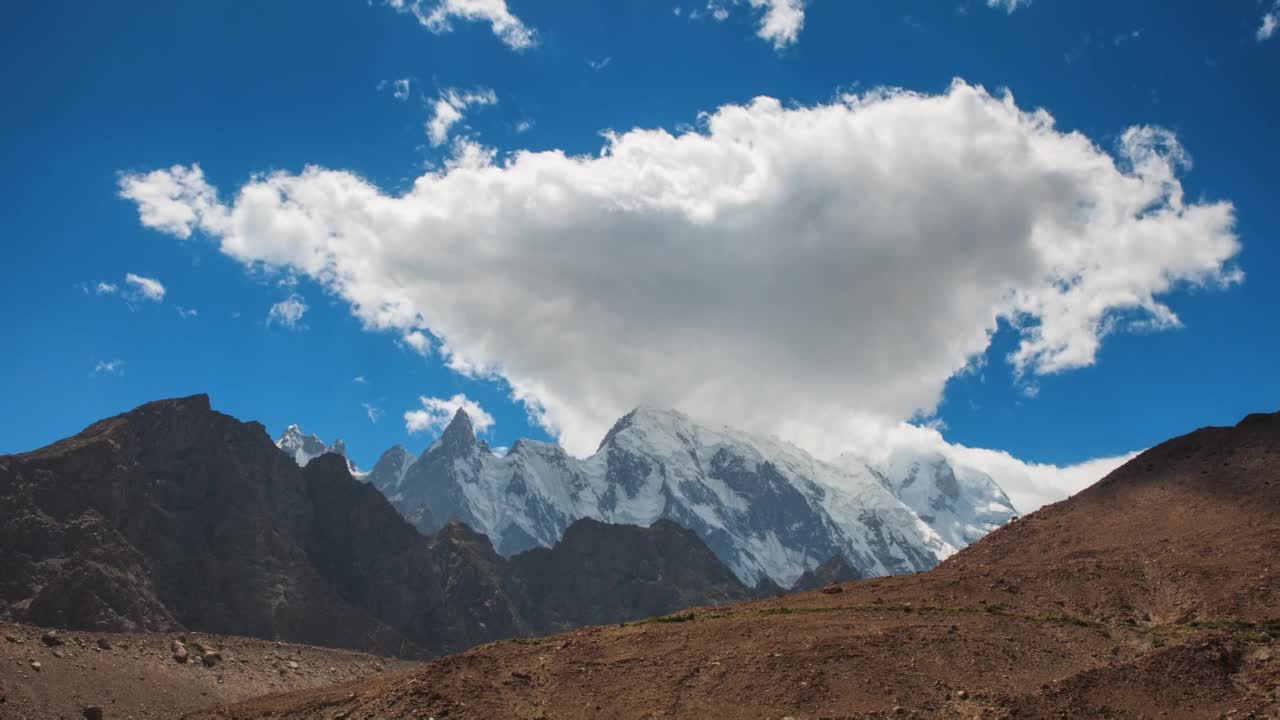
(460, 432)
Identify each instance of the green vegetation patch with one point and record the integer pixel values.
(673, 618)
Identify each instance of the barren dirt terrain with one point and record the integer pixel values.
(135, 675)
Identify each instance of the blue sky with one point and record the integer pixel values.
(96, 93)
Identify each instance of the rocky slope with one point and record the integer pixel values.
(1188, 531)
(1153, 593)
(766, 508)
(135, 675)
(175, 516)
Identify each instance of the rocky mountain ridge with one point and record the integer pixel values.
(176, 516)
(767, 509)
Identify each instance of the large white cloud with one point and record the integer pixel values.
(807, 272)
(438, 16)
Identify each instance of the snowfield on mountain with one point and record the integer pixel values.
(768, 509)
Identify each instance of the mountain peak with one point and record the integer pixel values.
(460, 425)
(462, 420)
(396, 452)
(191, 403)
(459, 434)
(303, 447)
(649, 419)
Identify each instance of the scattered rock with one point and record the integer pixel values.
(35, 665)
(293, 665)
(51, 638)
(180, 653)
(832, 589)
(93, 712)
(104, 643)
(963, 695)
(211, 658)
(57, 654)
(13, 639)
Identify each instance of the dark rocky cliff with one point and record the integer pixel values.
(176, 516)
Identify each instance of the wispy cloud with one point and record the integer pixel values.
(288, 313)
(144, 287)
(599, 64)
(1270, 20)
(450, 108)
(373, 412)
(108, 367)
(1122, 38)
(780, 21)
(1007, 5)
(438, 16)
(187, 313)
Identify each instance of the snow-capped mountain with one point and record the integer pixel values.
(304, 448)
(961, 504)
(766, 508)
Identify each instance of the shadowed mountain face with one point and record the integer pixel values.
(174, 515)
(599, 572)
(832, 572)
